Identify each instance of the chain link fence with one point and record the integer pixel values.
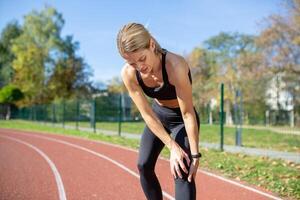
(85, 113)
(119, 108)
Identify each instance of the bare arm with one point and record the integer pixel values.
(136, 93)
(185, 100)
(177, 154)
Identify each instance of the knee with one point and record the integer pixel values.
(184, 178)
(145, 168)
(181, 138)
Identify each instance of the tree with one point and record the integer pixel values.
(227, 48)
(280, 44)
(46, 65)
(204, 71)
(254, 84)
(9, 95)
(41, 33)
(68, 64)
(116, 86)
(10, 32)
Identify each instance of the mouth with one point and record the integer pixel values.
(144, 69)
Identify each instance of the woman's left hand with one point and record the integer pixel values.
(193, 169)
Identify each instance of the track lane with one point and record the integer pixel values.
(17, 180)
(84, 175)
(209, 187)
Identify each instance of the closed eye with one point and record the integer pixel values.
(133, 64)
(142, 59)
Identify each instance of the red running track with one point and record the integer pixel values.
(51, 166)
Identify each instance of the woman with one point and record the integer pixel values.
(172, 120)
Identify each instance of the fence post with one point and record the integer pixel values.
(238, 118)
(34, 113)
(222, 117)
(30, 114)
(241, 118)
(77, 112)
(53, 113)
(93, 114)
(23, 113)
(44, 113)
(120, 114)
(63, 114)
(18, 115)
(207, 113)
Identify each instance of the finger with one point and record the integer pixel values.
(172, 170)
(190, 176)
(182, 165)
(178, 171)
(187, 158)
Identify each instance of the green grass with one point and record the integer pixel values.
(278, 176)
(210, 133)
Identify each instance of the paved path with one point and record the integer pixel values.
(289, 156)
(280, 130)
(52, 166)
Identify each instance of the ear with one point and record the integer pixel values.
(152, 45)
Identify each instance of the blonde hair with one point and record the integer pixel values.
(133, 37)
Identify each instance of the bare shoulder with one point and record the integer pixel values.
(128, 74)
(176, 65)
(175, 58)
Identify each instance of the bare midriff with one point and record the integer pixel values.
(173, 103)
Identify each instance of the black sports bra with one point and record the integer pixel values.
(166, 91)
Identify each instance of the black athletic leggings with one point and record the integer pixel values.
(150, 148)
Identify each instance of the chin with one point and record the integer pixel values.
(146, 73)
(148, 70)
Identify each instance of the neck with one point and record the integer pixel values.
(158, 65)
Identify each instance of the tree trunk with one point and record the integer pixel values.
(210, 117)
(292, 119)
(210, 114)
(8, 113)
(228, 113)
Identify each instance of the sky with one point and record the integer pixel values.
(178, 25)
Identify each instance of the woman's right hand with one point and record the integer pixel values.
(177, 156)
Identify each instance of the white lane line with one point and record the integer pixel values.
(243, 186)
(168, 196)
(161, 158)
(60, 186)
(199, 171)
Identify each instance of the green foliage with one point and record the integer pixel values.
(234, 59)
(116, 86)
(204, 69)
(108, 107)
(10, 32)
(32, 49)
(68, 64)
(46, 65)
(244, 62)
(10, 94)
(230, 44)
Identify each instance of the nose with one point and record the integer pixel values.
(141, 65)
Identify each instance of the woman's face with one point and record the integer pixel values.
(143, 60)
